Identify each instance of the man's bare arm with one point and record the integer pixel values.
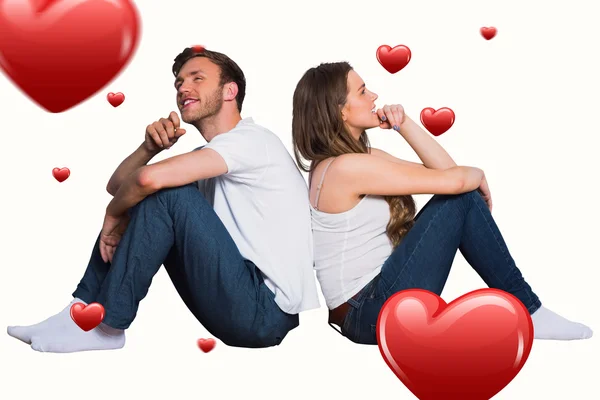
(160, 135)
(140, 157)
(172, 172)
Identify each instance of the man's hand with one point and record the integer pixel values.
(485, 192)
(163, 133)
(111, 234)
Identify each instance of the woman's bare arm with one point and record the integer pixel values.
(361, 174)
(427, 148)
(387, 156)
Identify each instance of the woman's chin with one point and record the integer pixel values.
(373, 124)
(375, 121)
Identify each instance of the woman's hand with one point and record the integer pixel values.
(391, 117)
(485, 192)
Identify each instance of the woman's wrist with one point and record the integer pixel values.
(405, 121)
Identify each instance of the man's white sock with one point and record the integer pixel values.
(70, 338)
(25, 333)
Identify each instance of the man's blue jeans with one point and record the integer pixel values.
(177, 227)
(423, 259)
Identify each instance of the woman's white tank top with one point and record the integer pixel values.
(349, 247)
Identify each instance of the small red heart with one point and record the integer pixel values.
(61, 174)
(116, 99)
(393, 60)
(437, 122)
(198, 48)
(469, 349)
(488, 33)
(87, 317)
(207, 345)
(61, 52)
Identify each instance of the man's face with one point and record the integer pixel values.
(199, 94)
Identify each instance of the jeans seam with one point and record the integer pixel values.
(357, 321)
(506, 258)
(534, 307)
(347, 322)
(506, 255)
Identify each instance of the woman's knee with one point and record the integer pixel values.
(468, 196)
(461, 196)
(462, 200)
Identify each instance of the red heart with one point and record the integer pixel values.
(393, 60)
(207, 345)
(87, 317)
(437, 122)
(469, 349)
(116, 99)
(61, 174)
(488, 33)
(61, 52)
(198, 48)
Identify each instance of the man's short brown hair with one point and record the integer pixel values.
(230, 71)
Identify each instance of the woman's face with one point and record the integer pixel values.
(359, 111)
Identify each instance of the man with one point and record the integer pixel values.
(230, 222)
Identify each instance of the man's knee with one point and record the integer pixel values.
(165, 198)
(178, 191)
(177, 194)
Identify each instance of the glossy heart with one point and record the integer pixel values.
(207, 345)
(469, 349)
(61, 174)
(115, 99)
(87, 317)
(488, 32)
(437, 122)
(393, 59)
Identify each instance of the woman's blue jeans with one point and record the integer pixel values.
(422, 260)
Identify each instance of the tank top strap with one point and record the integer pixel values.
(321, 183)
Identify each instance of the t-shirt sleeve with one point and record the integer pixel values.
(244, 152)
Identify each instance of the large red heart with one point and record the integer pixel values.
(393, 60)
(469, 349)
(437, 122)
(61, 52)
(87, 317)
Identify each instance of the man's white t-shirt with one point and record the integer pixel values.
(263, 202)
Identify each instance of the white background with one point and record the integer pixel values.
(526, 105)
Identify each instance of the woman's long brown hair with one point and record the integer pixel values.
(319, 132)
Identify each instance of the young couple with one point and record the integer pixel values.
(239, 232)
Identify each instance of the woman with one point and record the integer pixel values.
(368, 242)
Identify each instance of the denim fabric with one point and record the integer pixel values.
(447, 223)
(177, 227)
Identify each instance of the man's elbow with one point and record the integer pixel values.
(111, 189)
(146, 180)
